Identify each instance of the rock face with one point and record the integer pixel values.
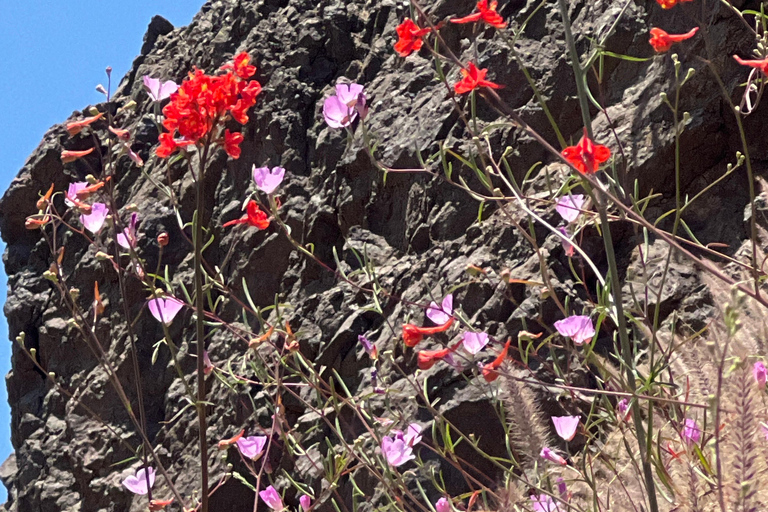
(419, 231)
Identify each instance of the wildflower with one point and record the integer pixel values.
(562, 489)
(485, 12)
(72, 191)
(551, 456)
(70, 156)
(225, 443)
(137, 483)
(162, 239)
(85, 192)
(760, 373)
(474, 342)
(267, 181)
(410, 36)
(577, 327)
(121, 134)
(207, 364)
(544, 503)
(586, 156)
(253, 217)
(127, 238)
(95, 219)
(490, 372)
(76, 127)
(252, 447)
(662, 41)
(242, 66)
(473, 78)
(569, 206)
(272, 498)
(761, 64)
(443, 505)
(156, 505)
(202, 101)
(305, 502)
(622, 409)
(398, 448)
(441, 314)
(158, 90)
(566, 426)
(369, 347)
(565, 242)
(341, 109)
(232, 143)
(691, 432)
(413, 334)
(428, 358)
(164, 309)
(668, 4)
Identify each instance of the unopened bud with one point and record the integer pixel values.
(102, 256)
(91, 179)
(50, 276)
(109, 70)
(133, 207)
(100, 88)
(52, 375)
(74, 293)
(93, 111)
(162, 239)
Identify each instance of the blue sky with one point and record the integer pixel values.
(54, 54)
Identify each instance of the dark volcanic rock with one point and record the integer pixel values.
(419, 231)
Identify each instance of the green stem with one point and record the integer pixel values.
(626, 351)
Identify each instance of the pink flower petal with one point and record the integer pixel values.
(474, 342)
(272, 498)
(441, 314)
(566, 426)
(267, 181)
(164, 309)
(95, 220)
(569, 206)
(72, 191)
(337, 114)
(252, 447)
(137, 483)
(579, 328)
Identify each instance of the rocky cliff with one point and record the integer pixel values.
(420, 232)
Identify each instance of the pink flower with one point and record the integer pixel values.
(569, 206)
(474, 342)
(622, 409)
(137, 483)
(94, 220)
(398, 448)
(544, 503)
(760, 373)
(207, 364)
(578, 328)
(164, 309)
(305, 502)
(341, 109)
(551, 456)
(72, 191)
(252, 447)
(691, 432)
(443, 505)
(565, 242)
(272, 498)
(267, 181)
(566, 426)
(158, 90)
(127, 238)
(440, 315)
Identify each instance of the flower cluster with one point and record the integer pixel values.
(203, 102)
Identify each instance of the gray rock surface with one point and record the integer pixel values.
(419, 231)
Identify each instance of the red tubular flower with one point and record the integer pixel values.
(70, 156)
(586, 156)
(410, 35)
(428, 358)
(413, 334)
(203, 101)
(224, 443)
(486, 13)
(254, 217)
(232, 143)
(662, 41)
(668, 4)
(473, 78)
(76, 127)
(157, 505)
(490, 372)
(761, 64)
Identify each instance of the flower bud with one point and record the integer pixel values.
(100, 88)
(162, 239)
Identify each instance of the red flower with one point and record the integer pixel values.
(232, 143)
(484, 13)
(668, 4)
(224, 443)
(662, 42)
(76, 127)
(761, 64)
(70, 156)
(254, 217)
(489, 370)
(203, 101)
(428, 358)
(586, 156)
(410, 37)
(473, 78)
(413, 334)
